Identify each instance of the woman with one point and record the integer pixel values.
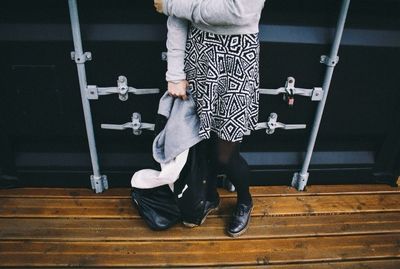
(217, 59)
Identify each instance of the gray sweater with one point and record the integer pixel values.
(215, 16)
(181, 130)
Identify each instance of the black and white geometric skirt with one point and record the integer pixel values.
(223, 76)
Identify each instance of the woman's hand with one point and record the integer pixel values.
(178, 89)
(158, 4)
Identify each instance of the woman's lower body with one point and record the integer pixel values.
(223, 75)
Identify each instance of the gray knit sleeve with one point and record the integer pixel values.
(214, 12)
(176, 43)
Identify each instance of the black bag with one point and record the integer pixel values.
(160, 207)
(157, 206)
(190, 188)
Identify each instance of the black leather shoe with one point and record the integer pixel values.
(240, 220)
(208, 208)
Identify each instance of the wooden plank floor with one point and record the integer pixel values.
(333, 226)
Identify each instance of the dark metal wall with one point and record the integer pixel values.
(41, 111)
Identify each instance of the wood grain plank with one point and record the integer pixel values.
(264, 206)
(255, 190)
(212, 229)
(225, 252)
(327, 227)
(364, 264)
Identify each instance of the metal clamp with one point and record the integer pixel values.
(136, 125)
(290, 90)
(288, 96)
(122, 89)
(329, 61)
(273, 124)
(81, 58)
(99, 184)
(299, 181)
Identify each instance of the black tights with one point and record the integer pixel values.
(224, 155)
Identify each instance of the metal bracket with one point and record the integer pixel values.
(99, 184)
(81, 58)
(136, 125)
(315, 93)
(272, 124)
(299, 181)
(329, 61)
(92, 92)
(122, 89)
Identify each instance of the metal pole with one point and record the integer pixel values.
(300, 179)
(99, 182)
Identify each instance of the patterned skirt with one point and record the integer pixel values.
(223, 76)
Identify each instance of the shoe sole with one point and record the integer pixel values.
(244, 229)
(192, 225)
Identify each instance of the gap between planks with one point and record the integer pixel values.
(263, 191)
